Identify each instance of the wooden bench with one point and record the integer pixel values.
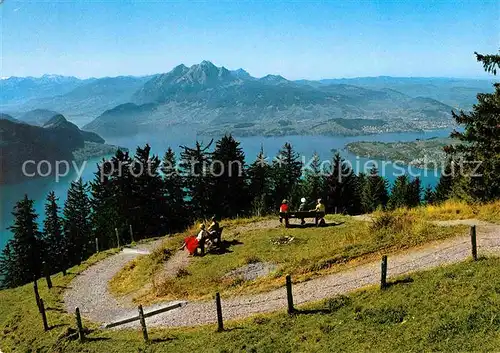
(216, 240)
(300, 215)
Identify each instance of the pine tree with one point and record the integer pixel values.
(122, 184)
(445, 184)
(230, 191)
(481, 140)
(77, 226)
(176, 212)
(287, 170)
(341, 187)
(414, 193)
(197, 179)
(399, 192)
(9, 268)
(375, 193)
(358, 193)
(148, 203)
(313, 184)
(260, 185)
(490, 62)
(54, 248)
(429, 195)
(104, 207)
(20, 262)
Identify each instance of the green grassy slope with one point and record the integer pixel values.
(456, 308)
(311, 252)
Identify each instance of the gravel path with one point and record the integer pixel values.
(89, 290)
(180, 260)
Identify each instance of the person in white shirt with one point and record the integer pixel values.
(202, 235)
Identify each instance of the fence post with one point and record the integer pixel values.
(220, 322)
(117, 237)
(383, 276)
(44, 316)
(473, 242)
(143, 324)
(96, 245)
(131, 233)
(47, 274)
(289, 295)
(37, 296)
(81, 333)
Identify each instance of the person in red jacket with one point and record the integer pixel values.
(283, 208)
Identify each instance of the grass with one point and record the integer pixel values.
(21, 327)
(454, 308)
(455, 209)
(140, 272)
(134, 274)
(312, 252)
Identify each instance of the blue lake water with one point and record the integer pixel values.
(37, 189)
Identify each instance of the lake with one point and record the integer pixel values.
(37, 189)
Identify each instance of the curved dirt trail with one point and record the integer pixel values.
(89, 290)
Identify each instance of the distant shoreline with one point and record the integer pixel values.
(418, 153)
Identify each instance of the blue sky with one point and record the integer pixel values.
(301, 39)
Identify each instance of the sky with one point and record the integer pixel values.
(298, 40)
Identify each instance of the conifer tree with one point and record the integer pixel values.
(481, 140)
(147, 204)
(198, 182)
(444, 187)
(53, 245)
(358, 193)
(230, 191)
(314, 181)
(491, 62)
(375, 193)
(414, 193)
(77, 226)
(122, 184)
(104, 206)
(287, 170)
(429, 195)
(175, 203)
(399, 192)
(8, 267)
(20, 262)
(341, 187)
(260, 185)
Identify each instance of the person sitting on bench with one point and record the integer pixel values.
(214, 230)
(320, 208)
(302, 207)
(214, 226)
(202, 233)
(202, 238)
(283, 208)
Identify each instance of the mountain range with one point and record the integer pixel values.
(215, 100)
(57, 140)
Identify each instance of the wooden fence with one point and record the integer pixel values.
(220, 322)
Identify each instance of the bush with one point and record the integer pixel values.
(393, 221)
